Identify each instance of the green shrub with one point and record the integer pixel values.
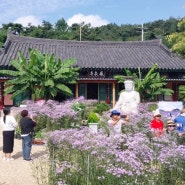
(152, 107)
(93, 118)
(41, 121)
(101, 107)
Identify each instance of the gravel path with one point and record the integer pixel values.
(19, 171)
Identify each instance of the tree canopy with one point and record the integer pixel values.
(176, 40)
(109, 32)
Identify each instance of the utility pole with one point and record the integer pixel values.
(81, 30)
(142, 31)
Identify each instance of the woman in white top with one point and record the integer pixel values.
(9, 124)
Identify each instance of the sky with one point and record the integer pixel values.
(95, 12)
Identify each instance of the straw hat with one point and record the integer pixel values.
(170, 123)
(156, 113)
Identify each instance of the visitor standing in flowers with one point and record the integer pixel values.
(9, 124)
(157, 125)
(180, 123)
(27, 125)
(170, 127)
(116, 122)
(171, 131)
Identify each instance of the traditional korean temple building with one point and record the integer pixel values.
(99, 61)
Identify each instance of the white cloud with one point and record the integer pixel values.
(28, 19)
(42, 9)
(94, 20)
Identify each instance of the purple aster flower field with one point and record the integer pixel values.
(80, 157)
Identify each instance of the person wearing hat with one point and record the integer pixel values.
(170, 127)
(116, 122)
(180, 122)
(171, 131)
(157, 125)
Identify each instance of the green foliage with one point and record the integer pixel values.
(81, 109)
(42, 75)
(103, 124)
(64, 122)
(61, 26)
(152, 107)
(182, 92)
(93, 118)
(39, 134)
(111, 32)
(18, 129)
(101, 107)
(152, 84)
(181, 140)
(78, 106)
(3, 37)
(41, 121)
(88, 109)
(176, 40)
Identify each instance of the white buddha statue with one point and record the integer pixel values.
(128, 99)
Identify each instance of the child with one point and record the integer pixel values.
(115, 123)
(156, 125)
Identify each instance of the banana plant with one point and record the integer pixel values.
(42, 76)
(182, 92)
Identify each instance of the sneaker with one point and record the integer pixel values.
(30, 159)
(4, 158)
(10, 159)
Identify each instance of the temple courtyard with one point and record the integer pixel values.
(19, 171)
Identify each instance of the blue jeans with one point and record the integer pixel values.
(26, 146)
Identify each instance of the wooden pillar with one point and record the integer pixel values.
(76, 90)
(175, 89)
(1, 95)
(113, 94)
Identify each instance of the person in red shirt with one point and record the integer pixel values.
(156, 125)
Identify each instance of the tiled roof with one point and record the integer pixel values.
(96, 54)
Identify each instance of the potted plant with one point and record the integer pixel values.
(92, 121)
